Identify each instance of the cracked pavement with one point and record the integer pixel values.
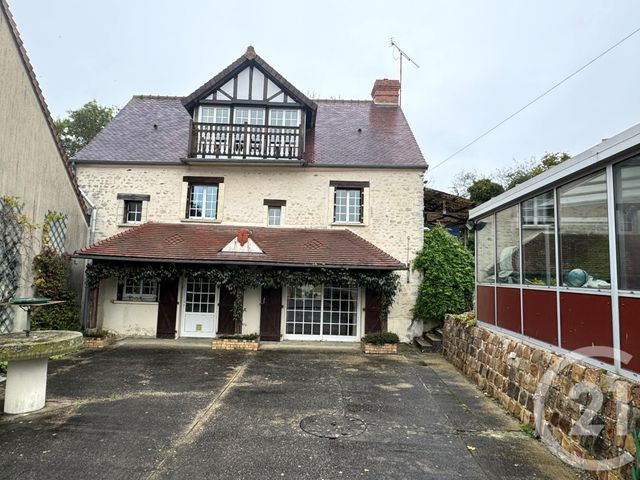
(147, 409)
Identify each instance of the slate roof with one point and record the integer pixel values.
(360, 133)
(347, 133)
(189, 243)
(148, 129)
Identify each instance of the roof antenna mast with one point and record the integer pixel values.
(402, 54)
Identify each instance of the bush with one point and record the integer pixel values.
(380, 338)
(97, 333)
(448, 276)
(52, 272)
(3, 367)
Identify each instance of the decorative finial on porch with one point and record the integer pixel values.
(243, 236)
(250, 53)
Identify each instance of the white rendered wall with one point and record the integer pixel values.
(125, 318)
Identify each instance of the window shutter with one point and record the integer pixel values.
(120, 289)
(362, 205)
(186, 213)
(335, 203)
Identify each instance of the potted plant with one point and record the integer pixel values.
(98, 338)
(380, 342)
(249, 341)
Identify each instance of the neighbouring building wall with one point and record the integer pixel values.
(31, 166)
(513, 372)
(393, 206)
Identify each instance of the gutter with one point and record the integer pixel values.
(231, 262)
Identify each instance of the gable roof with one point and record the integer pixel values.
(249, 57)
(148, 129)
(13, 29)
(186, 243)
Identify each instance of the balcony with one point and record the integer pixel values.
(234, 141)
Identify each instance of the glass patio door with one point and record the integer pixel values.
(200, 312)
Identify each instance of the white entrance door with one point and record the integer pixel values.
(200, 313)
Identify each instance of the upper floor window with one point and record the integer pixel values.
(132, 211)
(203, 201)
(348, 205)
(131, 208)
(214, 114)
(252, 116)
(274, 215)
(284, 118)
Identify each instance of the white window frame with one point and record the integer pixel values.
(205, 187)
(283, 122)
(127, 213)
(218, 115)
(349, 204)
(322, 311)
(136, 293)
(251, 120)
(271, 219)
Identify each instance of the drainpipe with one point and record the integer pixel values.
(92, 233)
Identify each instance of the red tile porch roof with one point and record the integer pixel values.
(198, 243)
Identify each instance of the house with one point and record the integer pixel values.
(247, 207)
(35, 180)
(557, 257)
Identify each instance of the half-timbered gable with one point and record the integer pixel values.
(249, 111)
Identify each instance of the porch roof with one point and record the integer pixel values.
(198, 243)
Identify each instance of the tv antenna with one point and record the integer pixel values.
(402, 54)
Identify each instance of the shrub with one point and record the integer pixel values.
(3, 367)
(237, 336)
(97, 333)
(380, 338)
(467, 318)
(448, 276)
(52, 272)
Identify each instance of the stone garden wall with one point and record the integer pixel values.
(516, 374)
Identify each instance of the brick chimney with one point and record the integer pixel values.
(386, 92)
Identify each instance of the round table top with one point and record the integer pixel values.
(39, 344)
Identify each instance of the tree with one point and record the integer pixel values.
(81, 125)
(462, 181)
(484, 189)
(448, 276)
(523, 171)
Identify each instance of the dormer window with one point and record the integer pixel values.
(284, 118)
(214, 114)
(252, 116)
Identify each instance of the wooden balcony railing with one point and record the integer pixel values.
(214, 140)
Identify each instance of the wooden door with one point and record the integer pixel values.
(270, 314)
(226, 324)
(374, 320)
(167, 309)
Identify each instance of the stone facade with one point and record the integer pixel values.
(516, 373)
(393, 219)
(32, 166)
(234, 344)
(387, 348)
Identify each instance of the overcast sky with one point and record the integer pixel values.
(479, 62)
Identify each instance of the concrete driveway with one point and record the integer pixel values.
(178, 410)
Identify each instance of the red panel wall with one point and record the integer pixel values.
(508, 308)
(586, 321)
(540, 314)
(486, 304)
(630, 331)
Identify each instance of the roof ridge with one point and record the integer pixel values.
(157, 97)
(341, 100)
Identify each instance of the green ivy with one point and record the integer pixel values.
(238, 279)
(52, 272)
(448, 276)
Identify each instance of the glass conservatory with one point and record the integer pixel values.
(558, 257)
